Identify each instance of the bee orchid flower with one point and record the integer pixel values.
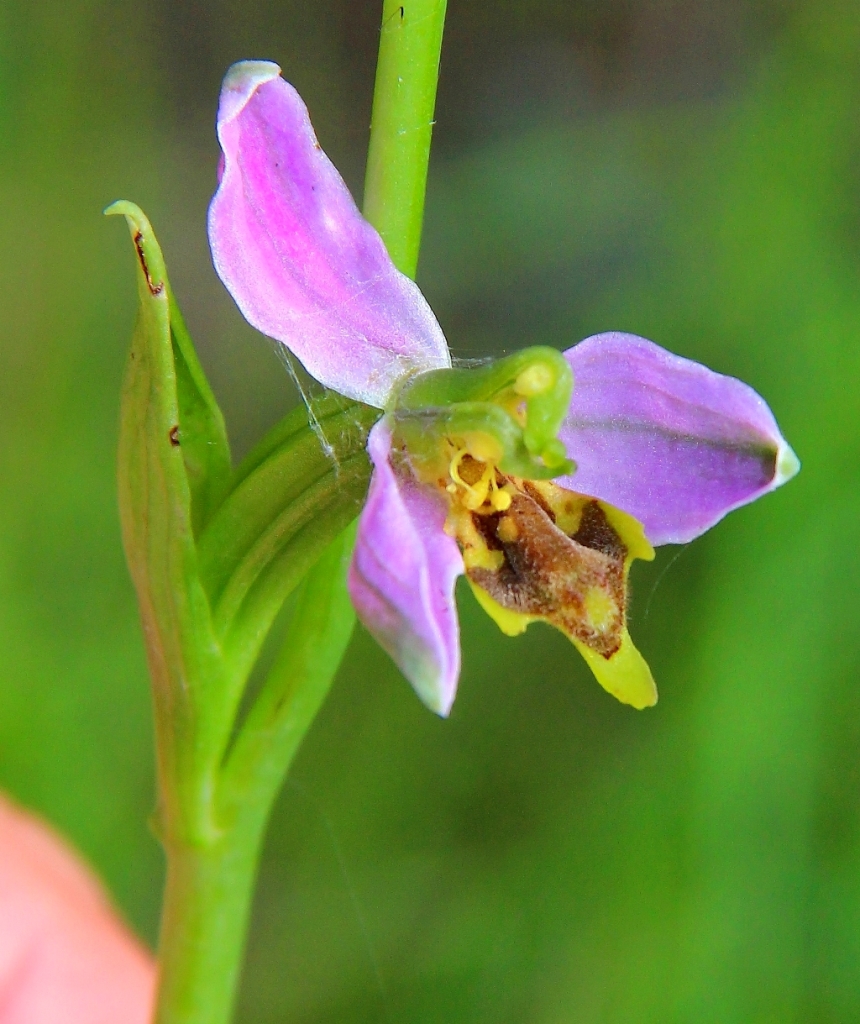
(541, 476)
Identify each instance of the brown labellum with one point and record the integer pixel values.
(576, 582)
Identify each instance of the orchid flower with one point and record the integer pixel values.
(541, 476)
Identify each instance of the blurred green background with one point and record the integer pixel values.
(685, 169)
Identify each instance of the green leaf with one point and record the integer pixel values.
(199, 430)
(272, 482)
(293, 494)
(214, 555)
(156, 497)
(292, 693)
(202, 433)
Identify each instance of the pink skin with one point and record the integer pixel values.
(662, 438)
(65, 956)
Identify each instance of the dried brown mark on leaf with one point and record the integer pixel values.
(155, 289)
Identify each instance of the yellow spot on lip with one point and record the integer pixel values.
(507, 530)
(600, 609)
(483, 559)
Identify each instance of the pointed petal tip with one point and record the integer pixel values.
(435, 697)
(625, 675)
(787, 465)
(240, 83)
(433, 681)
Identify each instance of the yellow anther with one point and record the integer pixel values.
(500, 500)
(537, 379)
(454, 468)
(475, 494)
(484, 490)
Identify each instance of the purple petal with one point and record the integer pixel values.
(299, 259)
(666, 439)
(402, 576)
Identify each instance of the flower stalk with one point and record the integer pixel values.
(404, 101)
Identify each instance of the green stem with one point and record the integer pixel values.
(402, 124)
(207, 903)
